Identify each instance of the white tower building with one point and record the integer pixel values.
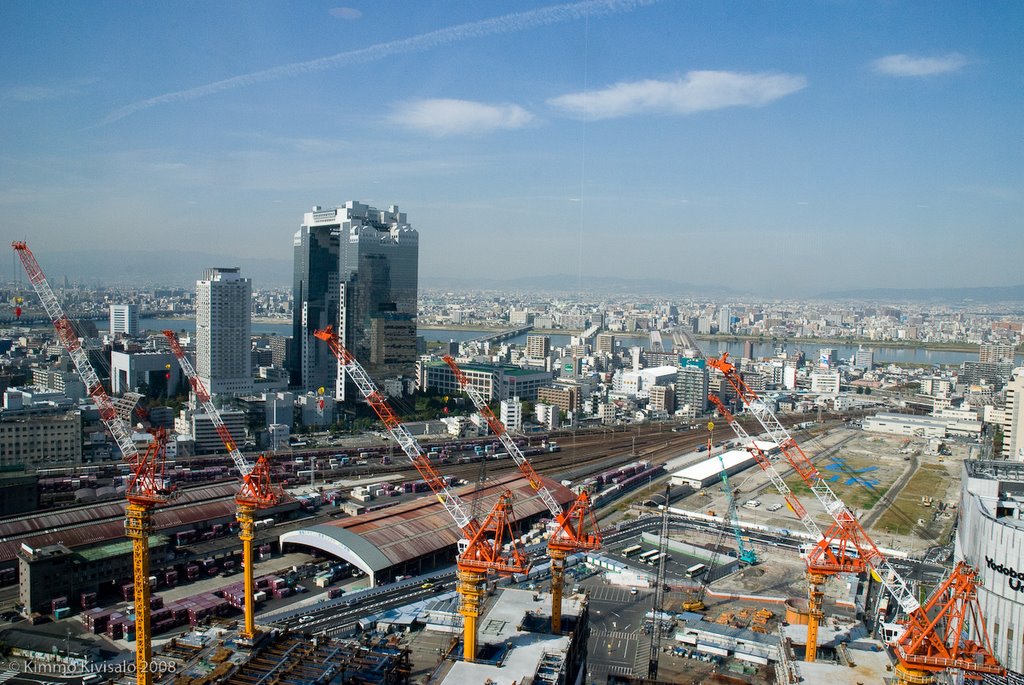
(223, 331)
(124, 319)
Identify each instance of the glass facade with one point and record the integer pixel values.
(357, 269)
(316, 294)
(380, 275)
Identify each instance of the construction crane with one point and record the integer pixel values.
(147, 486)
(936, 635)
(483, 548)
(256, 491)
(747, 556)
(659, 592)
(572, 530)
(696, 603)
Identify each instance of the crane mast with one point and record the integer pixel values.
(256, 491)
(146, 488)
(572, 530)
(747, 556)
(483, 547)
(659, 592)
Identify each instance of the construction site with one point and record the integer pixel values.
(675, 558)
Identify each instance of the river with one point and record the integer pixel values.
(883, 355)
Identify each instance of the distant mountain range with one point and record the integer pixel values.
(1010, 293)
(181, 268)
(143, 268)
(565, 283)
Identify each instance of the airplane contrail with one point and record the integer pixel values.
(508, 23)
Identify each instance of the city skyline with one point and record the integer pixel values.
(826, 146)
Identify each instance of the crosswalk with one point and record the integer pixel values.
(7, 675)
(612, 634)
(611, 669)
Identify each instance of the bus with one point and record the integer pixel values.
(647, 555)
(629, 551)
(653, 561)
(695, 570)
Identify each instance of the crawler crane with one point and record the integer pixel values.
(255, 492)
(483, 549)
(937, 636)
(147, 486)
(572, 530)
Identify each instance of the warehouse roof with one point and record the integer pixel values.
(386, 537)
(711, 466)
(76, 527)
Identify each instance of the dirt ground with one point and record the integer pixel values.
(881, 478)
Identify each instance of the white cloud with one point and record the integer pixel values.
(504, 24)
(697, 91)
(345, 13)
(906, 65)
(446, 117)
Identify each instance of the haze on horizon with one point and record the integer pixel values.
(809, 147)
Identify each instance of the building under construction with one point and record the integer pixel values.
(517, 646)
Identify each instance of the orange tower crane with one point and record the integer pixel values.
(256, 491)
(572, 530)
(147, 486)
(937, 636)
(483, 548)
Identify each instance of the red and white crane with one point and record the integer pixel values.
(573, 530)
(486, 547)
(147, 486)
(256, 491)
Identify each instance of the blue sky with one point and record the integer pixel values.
(805, 145)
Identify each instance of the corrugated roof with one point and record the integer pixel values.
(422, 526)
(80, 526)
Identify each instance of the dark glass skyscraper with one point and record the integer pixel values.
(316, 295)
(370, 296)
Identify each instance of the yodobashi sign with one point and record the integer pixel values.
(568, 367)
(1015, 578)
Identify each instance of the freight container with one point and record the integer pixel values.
(62, 612)
(322, 581)
(192, 572)
(334, 592)
(260, 596)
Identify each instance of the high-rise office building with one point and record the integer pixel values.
(379, 279)
(223, 331)
(315, 299)
(724, 321)
(357, 269)
(124, 319)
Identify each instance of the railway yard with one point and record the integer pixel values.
(903, 489)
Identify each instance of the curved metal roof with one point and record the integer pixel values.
(343, 544)
(422, 527)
